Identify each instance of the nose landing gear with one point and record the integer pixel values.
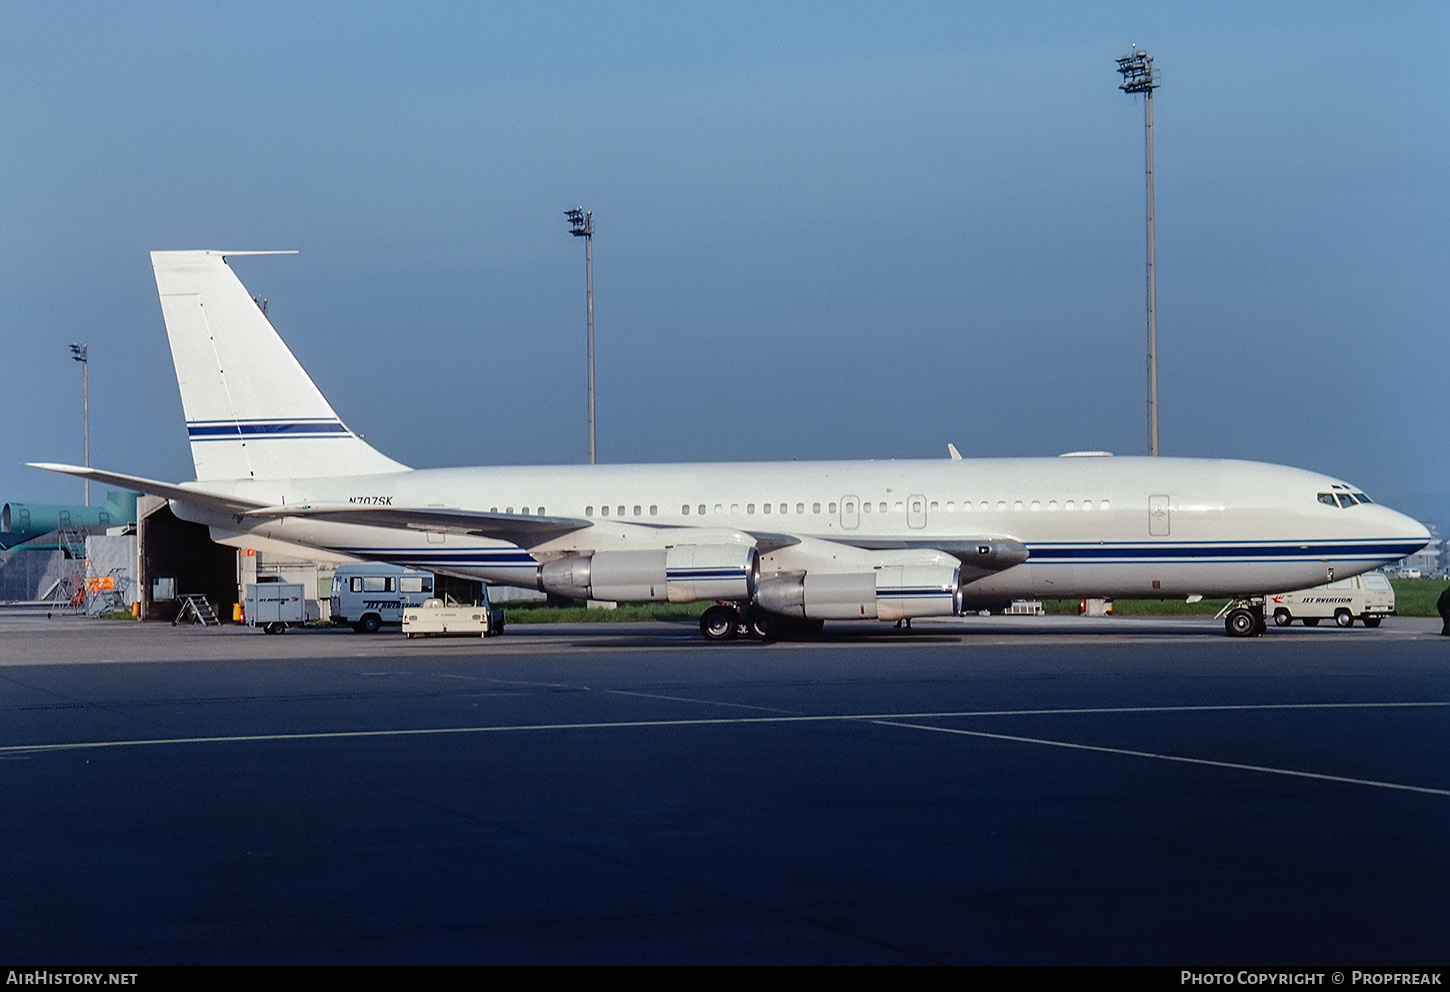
(1245, 619)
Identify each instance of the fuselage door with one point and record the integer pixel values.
(1158, 518)
(850, 513)
(916, 511)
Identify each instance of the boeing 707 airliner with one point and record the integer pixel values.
(767, 543)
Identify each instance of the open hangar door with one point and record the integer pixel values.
(180, 558)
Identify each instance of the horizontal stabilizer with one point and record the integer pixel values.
(152, 487)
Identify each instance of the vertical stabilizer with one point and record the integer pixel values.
(252, 411)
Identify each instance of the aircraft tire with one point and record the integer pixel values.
(719, 623)
(1371, 621)
(1311, 621)
(766, 626)
(1241, 622)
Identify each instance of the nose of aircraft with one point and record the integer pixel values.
(1400, 527)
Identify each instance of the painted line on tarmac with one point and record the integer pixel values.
(621, 692)
(890, 719)
(699, 702)
(1170, 757)
(12, 749)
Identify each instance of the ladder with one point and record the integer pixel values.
(106, 593)
(196, 609)
(68, 595)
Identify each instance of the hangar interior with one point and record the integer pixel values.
(177, 558)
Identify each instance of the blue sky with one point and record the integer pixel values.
(824, 230)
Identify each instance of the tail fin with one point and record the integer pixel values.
(252, 411)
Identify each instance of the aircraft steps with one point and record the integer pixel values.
(196, 609)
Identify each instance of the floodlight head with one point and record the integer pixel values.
(580, 222)
(1137, 72)
(78, 352)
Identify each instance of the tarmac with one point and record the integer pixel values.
(979, 791)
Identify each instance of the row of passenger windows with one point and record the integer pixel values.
(1052, 505)
(1342, 497)
(850, 507)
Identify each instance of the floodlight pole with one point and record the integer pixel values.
(78, 353)
(581, 225)
(1139, 77)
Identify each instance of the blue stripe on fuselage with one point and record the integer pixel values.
(1207, 552)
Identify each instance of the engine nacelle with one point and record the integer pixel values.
(893, 592)
(682, 574)
(905, 591)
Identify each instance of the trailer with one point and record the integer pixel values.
(274, 606)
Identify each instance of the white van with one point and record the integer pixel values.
(368, 596)
(1369, 597)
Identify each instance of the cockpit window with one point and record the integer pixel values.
(1343, 498)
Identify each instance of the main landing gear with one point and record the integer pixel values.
(1245, 619)
(727, 621)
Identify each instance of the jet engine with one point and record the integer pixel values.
(892, 592)
(682, 574)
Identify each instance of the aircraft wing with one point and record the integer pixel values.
(525, 531)
(979, 556)
(516, 528)
(166, 490)
(768, 542)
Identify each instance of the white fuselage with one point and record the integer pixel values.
(277, 468)
(1093, 526)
